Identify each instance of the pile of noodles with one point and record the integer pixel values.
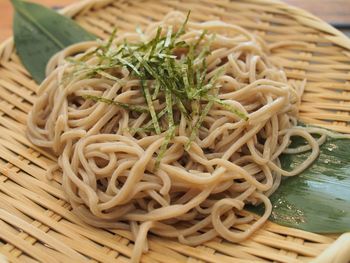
(109, 173)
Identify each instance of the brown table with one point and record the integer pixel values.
(335, 12)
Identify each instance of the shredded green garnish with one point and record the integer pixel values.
(126, 106)
(151, 107)
(171, 72)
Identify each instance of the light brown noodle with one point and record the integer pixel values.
(108, 172)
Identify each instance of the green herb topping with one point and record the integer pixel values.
(170, 70)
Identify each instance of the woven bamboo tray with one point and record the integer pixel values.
(36, 222)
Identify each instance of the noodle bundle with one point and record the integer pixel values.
(131, 161)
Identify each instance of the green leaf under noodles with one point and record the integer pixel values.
(39, 33)
(318, 199)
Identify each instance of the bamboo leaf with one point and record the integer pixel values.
(40, 32)
(317, 200)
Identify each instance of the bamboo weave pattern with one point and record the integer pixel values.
(36, 223)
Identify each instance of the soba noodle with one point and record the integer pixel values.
(109, 167)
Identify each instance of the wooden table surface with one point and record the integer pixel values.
(336, 12)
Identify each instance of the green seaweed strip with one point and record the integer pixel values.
(151, 108)
(120, 104)
(198, 123)
(171, 131)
